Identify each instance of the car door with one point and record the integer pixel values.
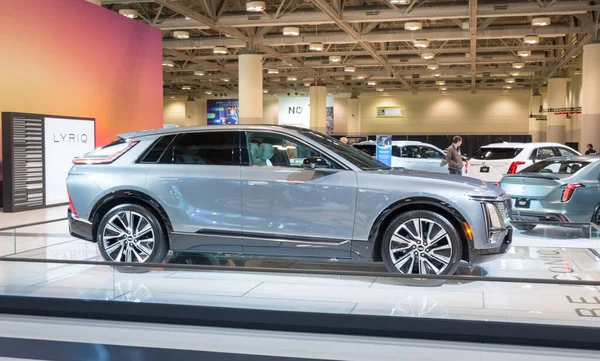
(413, 158)
(197, 181)
(289, 210)
(434, 159)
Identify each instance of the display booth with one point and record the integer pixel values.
(37, 152)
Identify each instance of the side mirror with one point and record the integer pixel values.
(311, 163)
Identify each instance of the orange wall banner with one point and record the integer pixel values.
(74, 58)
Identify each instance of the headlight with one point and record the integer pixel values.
(495, 224)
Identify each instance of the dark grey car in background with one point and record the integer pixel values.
(270, 190)
(556, 190)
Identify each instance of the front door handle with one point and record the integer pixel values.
(257, 183)
(168, 178)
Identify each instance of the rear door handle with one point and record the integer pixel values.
(168, 178)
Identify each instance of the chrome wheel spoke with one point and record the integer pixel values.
(432, 266)
(113, 227)
(137, 256)
(143, 248)
(117, 245)
(143, 232)
(442, 259)
(441, 248)
(121, 237)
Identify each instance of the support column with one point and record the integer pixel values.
(536, 127)
(318, 108)
(557, 98)
(353, 116)
(250, 89)
(590, 122)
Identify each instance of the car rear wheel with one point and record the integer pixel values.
(421, 242)
(524, 226)
(131, 233)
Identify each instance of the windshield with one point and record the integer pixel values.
(555, 167)
(497, 153)
(357, 157)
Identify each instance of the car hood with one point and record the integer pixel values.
(455, 179)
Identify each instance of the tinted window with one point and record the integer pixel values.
(209, 148)
(431, 153)
(367, 148)
(497, 153)
(351, 154)
(158, 149)
(396, 151)
(555, 167)
(565, 152)
(411, 151)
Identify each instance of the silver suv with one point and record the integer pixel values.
(271, 190)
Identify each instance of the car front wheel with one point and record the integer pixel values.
(131, 233)
(421, 242)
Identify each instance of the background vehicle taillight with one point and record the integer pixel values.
(106, 159)
(513, 167)
(568, 191)
(467, 167)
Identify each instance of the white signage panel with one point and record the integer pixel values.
(294, 111)
(64, 140)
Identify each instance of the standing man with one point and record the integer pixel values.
(590, 150)
(453, 156)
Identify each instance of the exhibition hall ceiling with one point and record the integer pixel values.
(367, 45)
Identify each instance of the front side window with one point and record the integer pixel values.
(277, 150)
(411, 151)
(431, 153)
(543, 153)
(206, 148)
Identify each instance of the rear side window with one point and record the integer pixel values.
(158, 149)
(497, 153)
(565, 152)
(555, 167)
(208, 148)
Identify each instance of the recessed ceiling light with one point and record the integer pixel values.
(514, 73)
(316, 46)
(428, 56)
(168, 63)
(350, 69)
(440, 82)
(291, 31)
(208, 92)
(181, 34)
(220, 50)
(372, 83)
(509, 80)
(507, 87)
(292, 78)
(433, 66)
(255, 6)
(421, 43)
(360, 77)
(541, 21)
(531, 39)
(186, 87)
(187, 17)
(199, 73)
(413, 26)
(518, 65)
(443, 88)
(437, 75)
(524, 53)
(129, 13)
(335, 59)
(273, 71)
(379, 89)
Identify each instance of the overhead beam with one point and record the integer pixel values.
(324, 7)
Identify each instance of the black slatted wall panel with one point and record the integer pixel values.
(23, 158)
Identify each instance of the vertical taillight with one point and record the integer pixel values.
(71, 206)
(568, 191)
(513, 167)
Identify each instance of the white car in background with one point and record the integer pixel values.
(410, 155)
(494, 161)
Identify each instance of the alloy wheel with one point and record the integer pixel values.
(128, 237)
(421, 246)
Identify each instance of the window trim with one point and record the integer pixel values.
(245, 152)
(140, 159)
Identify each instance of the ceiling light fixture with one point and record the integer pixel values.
(291, 31)
(371, 83)
(421, 43)
(428, 56)
(440, 82)
(350, 69)
(129, 13)
(413, 26)
(208, 92)
(199, 73)
(307, 84)
(220, 50)
(187, 17)
(226, 80)
(400, 2)
(316, 46)
(379, 89)
(181, 34)
(255, 6)
(524, 53)
(292, 78)
(577, 71)
(186, 87)
(433, 66)
(509, 80)
(360, 77)
(531, 39)
(443, 89)
(168, 63)
(437, 75)
(335, 58)
(507, 87)
(541, 21)
(265, 91)
(514, 73)
(518, 65)
(273, 71)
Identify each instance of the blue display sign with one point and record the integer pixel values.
(222, 111)
(384, 149)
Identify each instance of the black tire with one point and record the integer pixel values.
(159, 250)
(526, 227)
(452, 238)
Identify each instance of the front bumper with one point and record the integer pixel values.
(478, 256)
(79, 228)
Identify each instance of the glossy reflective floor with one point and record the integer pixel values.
(546, 253)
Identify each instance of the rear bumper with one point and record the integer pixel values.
(479, 256)
(537, 217)
(79, 228)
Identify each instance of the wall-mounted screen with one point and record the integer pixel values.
(222, 111)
